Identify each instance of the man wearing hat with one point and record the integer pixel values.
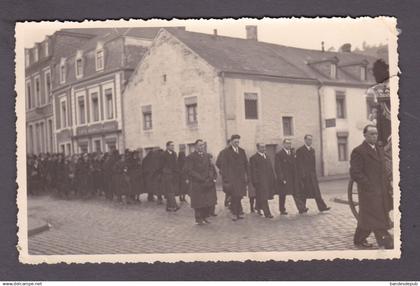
(235, 175)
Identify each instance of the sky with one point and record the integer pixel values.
(303, 33)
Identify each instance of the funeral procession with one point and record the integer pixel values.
(162, 139)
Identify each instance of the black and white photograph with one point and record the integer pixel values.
(207, 140)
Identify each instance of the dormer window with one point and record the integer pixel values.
(27, 58)
(46, 47)
(62, 71)
(36, 54)
(333, 70)
(363, 73)
(79, 65)
(99, 57)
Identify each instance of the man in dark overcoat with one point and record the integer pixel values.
(286, 173)
(263, 179)
(202, 176)
(235, 175)
(308, 181)
(367, 168)
(170, 176)
(183, 179)
(219, 164)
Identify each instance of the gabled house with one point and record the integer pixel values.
(88, 84)
(193, 85)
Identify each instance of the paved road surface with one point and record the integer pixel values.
(101, 227)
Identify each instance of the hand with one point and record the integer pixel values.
(284, 182)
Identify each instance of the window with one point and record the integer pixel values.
(111, 145)
(63, 148)
(38, 138)
(42, 136)
(287, 125)
(342, 148)
(27, 61)
(95, 106)
(79, 67)
(97, 144)
(251, 105)
(109, 103)
(363, 73)
(29, 94)
(46, 52)
(147, 117)
(333, 70)
(63, 113)
(36, 54)
(191, 110)
(68, 151)
(47, 81)
(50, 135)
(81, 109)
(62, 71)
(31, 139)
(83, 147)
(40, 99)
(340, 98)
(100, 59)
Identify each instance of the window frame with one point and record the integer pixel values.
(256, 100)
(62, 71)
(150, 114)
(38, 101)
(333, 71)
(105, 87)
(340, 140)
(36, 54)
(28, 83)
(340, 96)
(78, 95)
(78, 59)
(363, 73)
(292, 125)
(100, 115)
(102, 66)
(63, 126)
(47, 74)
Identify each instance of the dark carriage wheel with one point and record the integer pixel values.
(353, 198)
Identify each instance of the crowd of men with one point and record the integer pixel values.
(164, 174)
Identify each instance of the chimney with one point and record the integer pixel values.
(252, 32)
(215, 32)
(322, 46)
(345, 48)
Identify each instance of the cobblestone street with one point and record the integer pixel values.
(101, 227)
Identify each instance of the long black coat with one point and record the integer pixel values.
(201, 173)
(367, 168)
(285, 166)
(235, 171)
(262, 177)
(308, 181)
(152, 172)
(170, 173)
(136, 176)
(183, 178)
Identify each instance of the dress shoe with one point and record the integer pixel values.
(176, 209)
(304, 211)
(200, 222)
(259, 212)
(213, 214)
(325, 209)
(284, 213)
(240, 217)
(364, 245)
(206, 221)
(269, 216)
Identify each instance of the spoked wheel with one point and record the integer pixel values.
(353, 197)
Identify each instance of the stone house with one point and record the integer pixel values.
(193, 85)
